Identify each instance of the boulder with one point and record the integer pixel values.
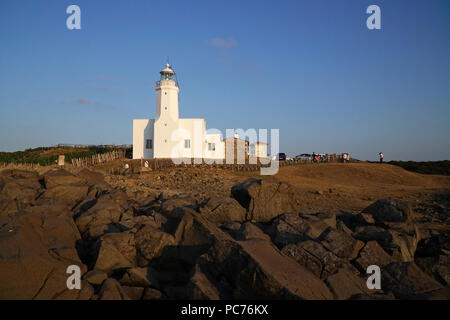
(389, 210)
(95, 277)
(373, 254)
(60, 177)
(249, 231)
(140, 277)
(317, 259)
(150, 243)
(222, 210)
(406, 280)
(94, 222)
(36, 247)
(345, 285)
(177, 202)
(342, 244)
(152, 294)
(111, 290)
(252, 268)
(264, 200)
(110, 258)
(200, 287)
(399, 245)
(292, 228)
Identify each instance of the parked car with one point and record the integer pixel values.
(304, 156)
(281, 156)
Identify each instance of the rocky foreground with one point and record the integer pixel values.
(253, 244)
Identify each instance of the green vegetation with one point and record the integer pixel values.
(428, 167)
(36, 155)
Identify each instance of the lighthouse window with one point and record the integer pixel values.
(187, 144)
(165, 93)
(165, 124)
(149, 144)
(211, 146)
(165, 108)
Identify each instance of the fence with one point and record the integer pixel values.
(98, 158)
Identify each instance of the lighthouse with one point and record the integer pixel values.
(168, 136)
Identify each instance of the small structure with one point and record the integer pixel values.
(236, 149)
(61, 160)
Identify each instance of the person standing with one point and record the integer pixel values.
(381, 157)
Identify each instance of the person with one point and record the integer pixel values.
(314, 157)
(381, 157)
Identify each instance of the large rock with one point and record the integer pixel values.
(317, 259)
(346, 285)
(390, 210)
(265, 200)
(18, 189)
(111, 290)
(373, 254)
(95, 221)
(342, 244)
(36, 247)
(252, 268)
(150, 243)
(293, 228)
(222, 210)
(399, 245)
(116, 251)
(140, 277)
(406, 280)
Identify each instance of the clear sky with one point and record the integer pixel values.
(310, 68)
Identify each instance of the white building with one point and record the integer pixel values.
(258, 149)
(168, 136)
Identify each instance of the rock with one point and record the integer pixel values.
(345, 285)
(95, 277)
(152, 294)
(389, 210)
(133, 293)
(406, 280)
(342, 244)
(94, 222)
(111, 290)
(85, 293)
(399, 245)
(373, 254)
(265, 200)
(248, 231)
(124, 242)
(200, 287)
(150, 243)
(177, 202)
(140, 277)
(252, 268)
(292, 228)
(222, 210)
(316, 258)
(36, 247)
(111, 256)
(61, 177)
(69, 195)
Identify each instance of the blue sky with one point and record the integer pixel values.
(310, 68)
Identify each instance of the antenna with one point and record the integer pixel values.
(168, 60)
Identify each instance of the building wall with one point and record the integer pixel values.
(143, 129)
(193, 130)
(219, 153)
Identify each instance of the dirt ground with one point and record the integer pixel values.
(321, 187)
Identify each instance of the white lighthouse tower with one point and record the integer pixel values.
(168, 136)
(166, 117)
